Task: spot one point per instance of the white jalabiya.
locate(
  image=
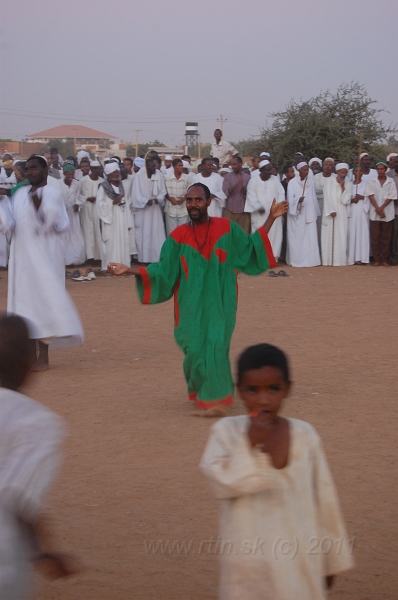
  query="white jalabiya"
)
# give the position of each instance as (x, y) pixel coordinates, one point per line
(260, 195)
(4, 241)
(128, 190)
(75, 253)
(319, 181)
(29, 457)
(116, 221)
(36, 273)
(214, 183)
(302, 235)
(334, 235)
(89, 216)
(281, 530)
(7, 181)
(358, 227)
(148, 220)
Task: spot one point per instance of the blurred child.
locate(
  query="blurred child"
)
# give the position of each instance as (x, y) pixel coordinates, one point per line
(30, 435)
(282, 536)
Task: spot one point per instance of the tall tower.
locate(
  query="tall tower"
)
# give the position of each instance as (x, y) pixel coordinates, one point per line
(191, 134)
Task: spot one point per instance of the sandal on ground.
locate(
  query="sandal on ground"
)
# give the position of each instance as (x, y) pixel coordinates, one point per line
(272, 274)
(282, 273)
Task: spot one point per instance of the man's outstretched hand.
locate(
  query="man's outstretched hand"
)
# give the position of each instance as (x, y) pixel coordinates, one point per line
(119, 269)
(277, 210)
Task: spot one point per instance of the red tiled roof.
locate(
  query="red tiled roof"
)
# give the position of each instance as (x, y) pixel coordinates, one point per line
(72, 131)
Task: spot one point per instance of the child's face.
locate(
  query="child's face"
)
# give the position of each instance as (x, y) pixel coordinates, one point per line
(263, 390)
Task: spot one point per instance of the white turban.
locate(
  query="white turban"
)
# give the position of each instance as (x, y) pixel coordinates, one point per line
(168, 157)
(95, 163)
(82, 154)
(265, 154)
(342, 166)
(318, 160)
(392, 155)
(111, 167)
(301, 164)
(301, 154)
(186, 164)
(225, 170)
(139, 162)
(363, 154)
(329, 159)
(263, 163)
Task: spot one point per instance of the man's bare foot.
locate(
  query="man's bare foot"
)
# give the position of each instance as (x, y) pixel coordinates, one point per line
(385, 264)
(217, 411)
(376, 264)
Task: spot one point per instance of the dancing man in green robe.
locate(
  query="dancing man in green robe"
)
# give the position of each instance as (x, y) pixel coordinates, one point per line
(198, 265)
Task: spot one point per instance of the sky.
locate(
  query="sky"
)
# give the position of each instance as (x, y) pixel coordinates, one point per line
(125, 65)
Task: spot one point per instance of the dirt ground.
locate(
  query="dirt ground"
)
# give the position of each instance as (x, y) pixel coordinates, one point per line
(130, 473)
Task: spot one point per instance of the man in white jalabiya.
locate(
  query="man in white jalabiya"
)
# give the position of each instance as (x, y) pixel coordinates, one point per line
(302, 237)
(88, 190)
(38, 221)
(75, 253)
(367, 172)
(168, 165)
(115, 216)
(315, 165)
(337, 199)
(358, 221)
(261, 191)
(149, 194)
(319, 182)
(214, 182)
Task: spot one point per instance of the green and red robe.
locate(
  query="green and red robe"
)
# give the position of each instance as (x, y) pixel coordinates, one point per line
(203, 281)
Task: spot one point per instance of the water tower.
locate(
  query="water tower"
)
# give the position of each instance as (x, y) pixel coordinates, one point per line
(191, 134)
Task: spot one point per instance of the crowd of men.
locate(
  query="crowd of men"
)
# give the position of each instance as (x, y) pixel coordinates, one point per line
(123, 210)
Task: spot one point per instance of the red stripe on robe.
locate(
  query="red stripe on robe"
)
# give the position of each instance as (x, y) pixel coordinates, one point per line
(146, 282)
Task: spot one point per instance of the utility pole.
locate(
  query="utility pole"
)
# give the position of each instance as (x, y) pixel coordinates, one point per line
(136, 141)
(222, 121)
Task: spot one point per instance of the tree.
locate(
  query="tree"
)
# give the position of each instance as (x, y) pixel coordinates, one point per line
(336, 125)
(142, 148)
(64, 148)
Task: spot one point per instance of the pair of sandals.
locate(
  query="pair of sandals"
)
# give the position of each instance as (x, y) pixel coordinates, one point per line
(280, 273)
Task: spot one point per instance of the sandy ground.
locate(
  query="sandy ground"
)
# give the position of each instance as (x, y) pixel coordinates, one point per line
(130, 472)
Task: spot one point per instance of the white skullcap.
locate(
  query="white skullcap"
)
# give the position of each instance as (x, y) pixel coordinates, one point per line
(329, 159)
(265, 154)
(301, 164)
(225, 170)
(95, 163)
(106, 160)
(111, 167)
(342, 166)
(301, 154)
(363, 154)
(263, 163)
(186, 164)
(168, 157)
(139, 162)
(318, 160)
(392, 155)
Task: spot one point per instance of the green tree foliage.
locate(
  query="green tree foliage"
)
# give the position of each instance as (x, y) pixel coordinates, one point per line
(64, 148)
(336, 125)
